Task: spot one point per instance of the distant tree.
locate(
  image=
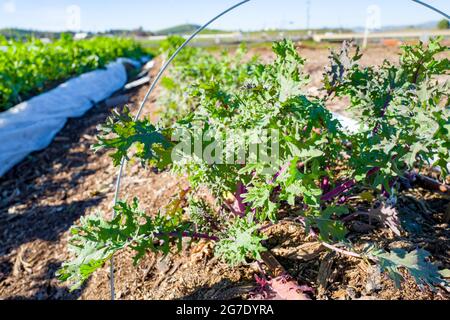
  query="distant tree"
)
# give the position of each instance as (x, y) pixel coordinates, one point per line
(140, 32)
(443, 24)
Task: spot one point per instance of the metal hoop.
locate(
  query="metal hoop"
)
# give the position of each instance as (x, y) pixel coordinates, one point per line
(153, 86)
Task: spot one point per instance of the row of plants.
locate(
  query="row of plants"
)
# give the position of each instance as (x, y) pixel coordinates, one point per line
(30, 67)
(310, 165)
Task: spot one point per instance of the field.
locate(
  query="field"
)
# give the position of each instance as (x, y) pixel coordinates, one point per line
(48, 193)
(28, 68)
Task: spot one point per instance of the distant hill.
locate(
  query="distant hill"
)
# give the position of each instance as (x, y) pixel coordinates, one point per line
(139, 32)
(423, 26)
(20, 34)
(184, 29)
(187, 29)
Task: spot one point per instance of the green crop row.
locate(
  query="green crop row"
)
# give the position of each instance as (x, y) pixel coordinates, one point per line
(32, 67)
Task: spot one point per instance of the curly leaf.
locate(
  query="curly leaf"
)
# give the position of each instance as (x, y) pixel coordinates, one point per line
(241, 241)
(121, 132)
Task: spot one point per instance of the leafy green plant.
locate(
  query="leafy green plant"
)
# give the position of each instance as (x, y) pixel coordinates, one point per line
(96, 240)
(310, 164)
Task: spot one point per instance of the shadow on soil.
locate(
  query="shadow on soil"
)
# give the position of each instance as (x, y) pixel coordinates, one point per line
(48, 175)
(41, 223)
(35, 205)
(48, 291)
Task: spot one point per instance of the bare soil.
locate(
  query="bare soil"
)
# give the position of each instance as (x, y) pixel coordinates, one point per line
(42, 197)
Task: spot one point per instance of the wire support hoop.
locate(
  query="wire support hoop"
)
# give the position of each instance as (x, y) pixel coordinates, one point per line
(155, 82)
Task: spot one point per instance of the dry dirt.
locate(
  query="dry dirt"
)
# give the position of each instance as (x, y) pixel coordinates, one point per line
(41, 198)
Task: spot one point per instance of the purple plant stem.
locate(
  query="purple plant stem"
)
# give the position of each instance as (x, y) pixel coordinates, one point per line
(241, 206)
(325, 184)
(385, 193)
(192, 235)
(279, 173)
(200, 236)
(346, 186)
(373, 171)
(342, 200)
(339, 190)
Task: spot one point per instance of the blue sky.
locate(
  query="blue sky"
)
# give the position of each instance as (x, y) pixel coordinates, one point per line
(98, 15)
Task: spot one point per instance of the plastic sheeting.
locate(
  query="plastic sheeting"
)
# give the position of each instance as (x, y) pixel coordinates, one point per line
(32, 125)
(348, 124)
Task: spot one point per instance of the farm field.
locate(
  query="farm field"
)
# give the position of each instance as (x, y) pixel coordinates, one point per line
(28, 68)
(45, 195)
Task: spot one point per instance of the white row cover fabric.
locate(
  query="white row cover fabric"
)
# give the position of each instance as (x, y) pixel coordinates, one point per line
(32, 125)
(348, 124)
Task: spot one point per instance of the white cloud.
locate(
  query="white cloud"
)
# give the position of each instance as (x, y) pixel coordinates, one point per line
(9, 6)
